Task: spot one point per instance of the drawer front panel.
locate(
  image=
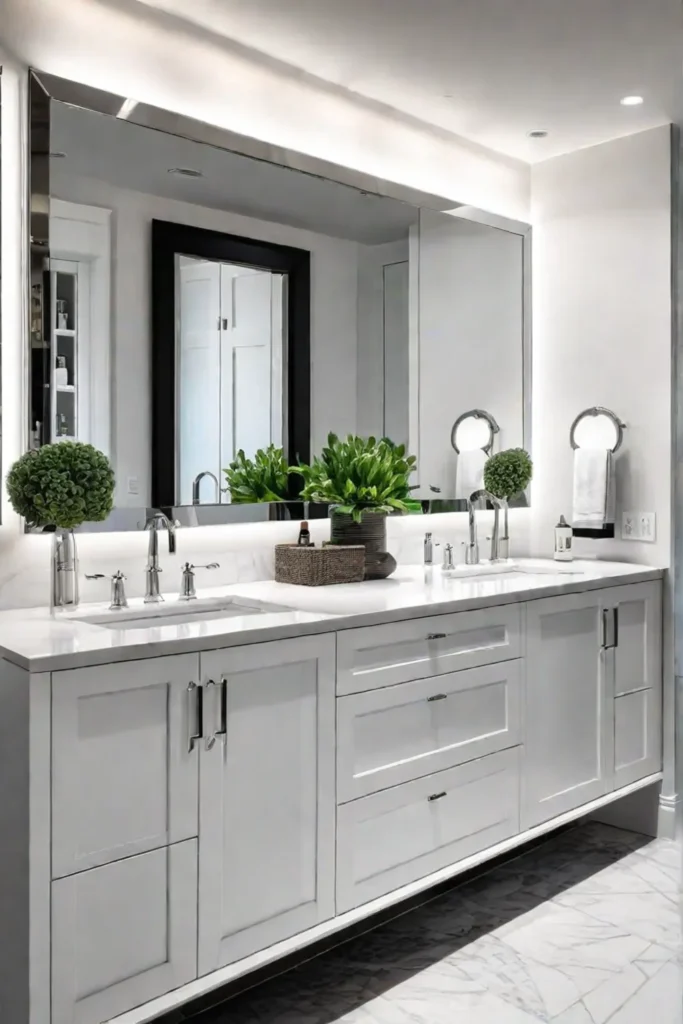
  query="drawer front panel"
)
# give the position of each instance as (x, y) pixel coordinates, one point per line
(123, 934)
(392, 735)
(123, 777)
(392, 838)
(417, 649)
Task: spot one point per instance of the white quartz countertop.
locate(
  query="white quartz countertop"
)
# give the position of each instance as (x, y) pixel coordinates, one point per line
(40, 642)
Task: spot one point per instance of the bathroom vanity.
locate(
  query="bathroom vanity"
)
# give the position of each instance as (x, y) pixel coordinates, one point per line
(194, 800)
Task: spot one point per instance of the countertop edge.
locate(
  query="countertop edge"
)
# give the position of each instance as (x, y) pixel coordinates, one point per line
(328, 624)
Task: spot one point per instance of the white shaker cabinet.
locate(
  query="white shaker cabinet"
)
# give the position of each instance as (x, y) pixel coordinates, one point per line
(266, 796)
(569, 742)
(635, 634)
(124, 818)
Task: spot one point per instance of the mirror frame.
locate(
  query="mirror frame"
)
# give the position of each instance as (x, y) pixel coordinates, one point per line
(170, 239)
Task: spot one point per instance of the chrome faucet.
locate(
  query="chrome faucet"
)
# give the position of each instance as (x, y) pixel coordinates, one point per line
(472, 552)
(196, 484)
(155, 522)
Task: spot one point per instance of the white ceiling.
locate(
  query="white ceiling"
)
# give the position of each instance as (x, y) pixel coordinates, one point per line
(488, 70)
(130, 157)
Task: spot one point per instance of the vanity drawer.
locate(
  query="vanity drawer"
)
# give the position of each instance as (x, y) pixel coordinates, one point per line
(392, 735)
(400, 651)
(392, 838)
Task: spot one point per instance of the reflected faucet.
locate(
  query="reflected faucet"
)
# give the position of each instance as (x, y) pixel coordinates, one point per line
(155, 522)
(196, 484)
(472, 552)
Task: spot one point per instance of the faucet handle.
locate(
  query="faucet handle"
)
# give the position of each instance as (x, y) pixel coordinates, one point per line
(448, 557)
(118, 592)
(187, 588)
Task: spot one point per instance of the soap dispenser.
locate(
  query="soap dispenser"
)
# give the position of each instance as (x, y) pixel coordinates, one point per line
(563, 541)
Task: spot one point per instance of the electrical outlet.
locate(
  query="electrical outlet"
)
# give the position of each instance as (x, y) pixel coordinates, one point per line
(133, 485)
(648, 527)
(629, 526)
(640, 526)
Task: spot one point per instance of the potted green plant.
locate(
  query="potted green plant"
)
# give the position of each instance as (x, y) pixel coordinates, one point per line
(60, 486)
(506, 475)
(364, 480)
(263, 478)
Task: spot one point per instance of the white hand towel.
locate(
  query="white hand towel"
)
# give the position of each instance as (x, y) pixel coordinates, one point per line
(594, 504)
(469, 472)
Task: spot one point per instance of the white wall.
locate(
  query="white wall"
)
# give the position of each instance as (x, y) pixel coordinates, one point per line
(602, 327)
(149, 56)
(334, 265)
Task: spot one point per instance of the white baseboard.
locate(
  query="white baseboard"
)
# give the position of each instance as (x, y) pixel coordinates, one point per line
(667, 825)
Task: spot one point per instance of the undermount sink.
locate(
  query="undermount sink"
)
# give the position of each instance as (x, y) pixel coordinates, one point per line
(488, 569)
(180, 612)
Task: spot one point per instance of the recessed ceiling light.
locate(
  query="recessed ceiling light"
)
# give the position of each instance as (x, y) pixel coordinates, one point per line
(631, 101)
(537, 133)
(185, 172)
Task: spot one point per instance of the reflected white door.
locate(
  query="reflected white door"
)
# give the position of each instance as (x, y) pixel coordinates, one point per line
(231, 323)
(199, 378)
(251, 310)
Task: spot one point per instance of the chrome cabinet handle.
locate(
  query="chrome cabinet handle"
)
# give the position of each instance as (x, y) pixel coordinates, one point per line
(194, 715)
(610, 628)
(436, 636)
(436, 796)
(219, 689)
(437, 696)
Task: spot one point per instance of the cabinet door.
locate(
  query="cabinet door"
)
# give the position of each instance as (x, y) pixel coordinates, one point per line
(123, 934)
(638, 637)
(123, 777)
(266, 797)
(569, 707)
(637, 682)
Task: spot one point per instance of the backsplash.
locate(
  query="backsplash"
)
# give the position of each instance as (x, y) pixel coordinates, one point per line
(244, 552)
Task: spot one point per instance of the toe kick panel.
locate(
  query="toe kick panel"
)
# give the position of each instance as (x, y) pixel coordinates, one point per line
(394, 837)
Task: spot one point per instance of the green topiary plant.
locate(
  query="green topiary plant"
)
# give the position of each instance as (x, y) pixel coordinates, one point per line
(263, 478)
(508, 473)
(360, 475)
(62, 485)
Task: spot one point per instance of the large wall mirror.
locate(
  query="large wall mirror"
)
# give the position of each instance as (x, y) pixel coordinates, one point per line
(196, 293)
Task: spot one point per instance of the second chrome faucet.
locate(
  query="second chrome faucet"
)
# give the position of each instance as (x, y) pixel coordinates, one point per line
(472, 549)
(155, 522)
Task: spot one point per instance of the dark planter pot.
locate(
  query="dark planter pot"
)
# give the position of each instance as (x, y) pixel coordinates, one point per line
(371, 532)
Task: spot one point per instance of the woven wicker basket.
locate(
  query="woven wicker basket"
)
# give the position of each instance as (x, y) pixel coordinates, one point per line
(319, 567)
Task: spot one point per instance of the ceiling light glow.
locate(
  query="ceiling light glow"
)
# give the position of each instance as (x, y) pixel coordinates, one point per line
(631, 101)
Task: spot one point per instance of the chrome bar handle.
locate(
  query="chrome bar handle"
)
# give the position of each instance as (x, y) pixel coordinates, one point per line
(610, 629)
(194, 715)
(219, 692)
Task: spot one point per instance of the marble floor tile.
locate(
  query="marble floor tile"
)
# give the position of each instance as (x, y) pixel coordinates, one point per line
(583, 929)
(658, 1001)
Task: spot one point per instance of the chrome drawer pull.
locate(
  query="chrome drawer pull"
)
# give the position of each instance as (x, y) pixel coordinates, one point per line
(436, 636)
(436, 796)
(438, 696)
